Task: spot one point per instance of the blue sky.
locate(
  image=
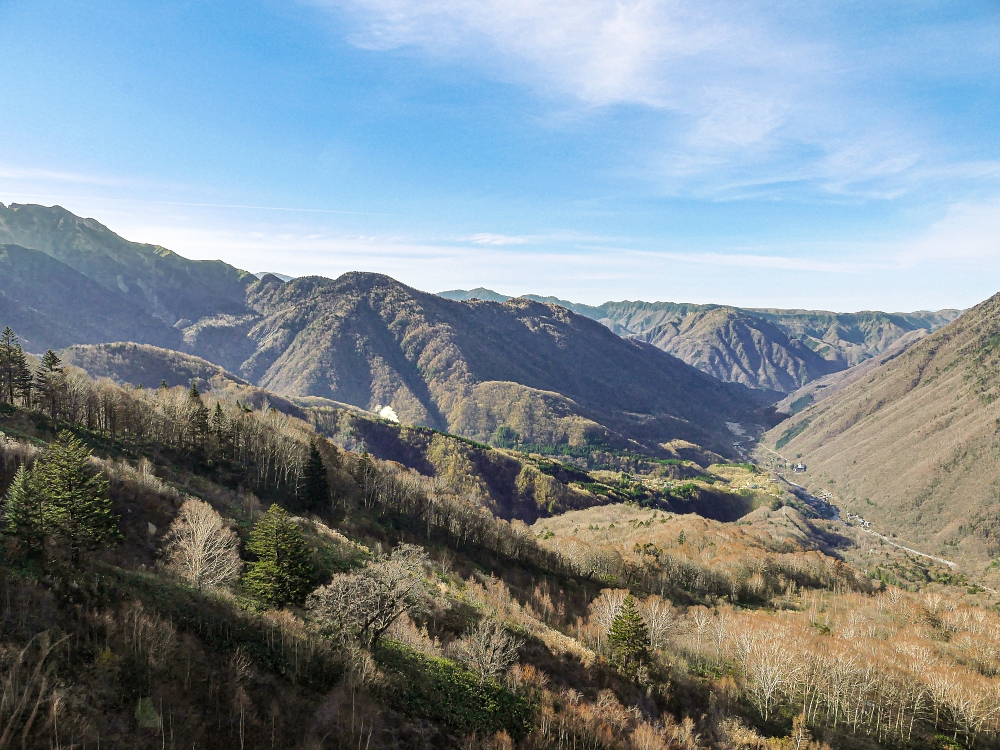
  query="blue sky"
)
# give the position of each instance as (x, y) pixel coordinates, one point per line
(838, 155)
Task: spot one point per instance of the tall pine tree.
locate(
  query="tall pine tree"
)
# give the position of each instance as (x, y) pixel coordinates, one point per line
(628, 636)
(199, 419)
(315, 484)
(24, 380)
(8, 345)
(282, 573)
(76, 509)
(51, 383)
(24, 514)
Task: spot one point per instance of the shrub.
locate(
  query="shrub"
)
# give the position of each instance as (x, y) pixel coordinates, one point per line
(440, 690)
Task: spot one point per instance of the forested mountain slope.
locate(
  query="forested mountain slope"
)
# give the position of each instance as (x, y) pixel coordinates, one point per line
(912, 446)
(816, 390)
(159, 281)
(510, 483)
(764, 348)
(551, 376)
(53, 305)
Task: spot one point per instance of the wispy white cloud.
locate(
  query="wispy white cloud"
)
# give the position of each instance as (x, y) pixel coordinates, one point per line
(968, 231)
(485, 238)
(753, 96)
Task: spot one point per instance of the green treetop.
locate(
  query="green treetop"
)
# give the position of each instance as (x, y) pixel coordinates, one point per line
(628, 635)
(76, 509)
(282, 573)
(315, 485)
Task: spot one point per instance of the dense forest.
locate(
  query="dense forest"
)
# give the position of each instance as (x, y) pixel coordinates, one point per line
(190, 569)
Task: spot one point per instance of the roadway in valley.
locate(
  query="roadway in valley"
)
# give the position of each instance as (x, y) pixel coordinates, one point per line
(829, 510)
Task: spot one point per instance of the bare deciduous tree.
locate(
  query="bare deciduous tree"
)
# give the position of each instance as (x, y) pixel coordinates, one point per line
(201, 548)
(488, 649)
(368, 602)
(604, 608)
(27, 685)
(661, 621)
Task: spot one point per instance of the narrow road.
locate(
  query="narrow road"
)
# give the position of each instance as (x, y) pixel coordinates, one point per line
(837, 517)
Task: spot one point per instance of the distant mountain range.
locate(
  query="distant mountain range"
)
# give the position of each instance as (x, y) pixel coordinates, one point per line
(537, 374)
(780, 350)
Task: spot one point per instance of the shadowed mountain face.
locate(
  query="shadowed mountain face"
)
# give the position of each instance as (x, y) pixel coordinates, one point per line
(780, 350)
(150, 277)
(473, 367)
(50, 305)
(912, 445)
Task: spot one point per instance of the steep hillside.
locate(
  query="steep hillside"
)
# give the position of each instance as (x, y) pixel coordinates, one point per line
(780, 350)
(510, 484)
(153, 278)
(912, 446)
(143, 365)
(816, 390)
(733, 346)
(51, 305)
(254, 586)
(547, 375)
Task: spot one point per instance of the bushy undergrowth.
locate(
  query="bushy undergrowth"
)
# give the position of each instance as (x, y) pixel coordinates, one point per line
(440, 690)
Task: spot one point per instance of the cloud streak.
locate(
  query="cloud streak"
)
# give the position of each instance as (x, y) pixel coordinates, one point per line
(752, 96)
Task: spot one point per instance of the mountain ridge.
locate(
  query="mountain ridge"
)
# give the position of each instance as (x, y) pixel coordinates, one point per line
(165, 284)
(759, 347)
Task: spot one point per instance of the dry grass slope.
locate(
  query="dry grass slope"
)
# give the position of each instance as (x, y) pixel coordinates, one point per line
(913, 445)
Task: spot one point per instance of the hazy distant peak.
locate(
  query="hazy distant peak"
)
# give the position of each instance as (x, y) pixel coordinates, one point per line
(464, 295)
(275, 274)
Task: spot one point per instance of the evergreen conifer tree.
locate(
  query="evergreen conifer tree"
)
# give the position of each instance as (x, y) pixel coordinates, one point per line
(8, 345)
(282, 573)
(51, 382)
(24, 513)
(316, 486)
(628, 635)
(24, 380)
(218, 429)
(199, 419)
(76, 509)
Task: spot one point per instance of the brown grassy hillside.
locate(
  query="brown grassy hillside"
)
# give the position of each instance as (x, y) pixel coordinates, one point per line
(913, 446)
